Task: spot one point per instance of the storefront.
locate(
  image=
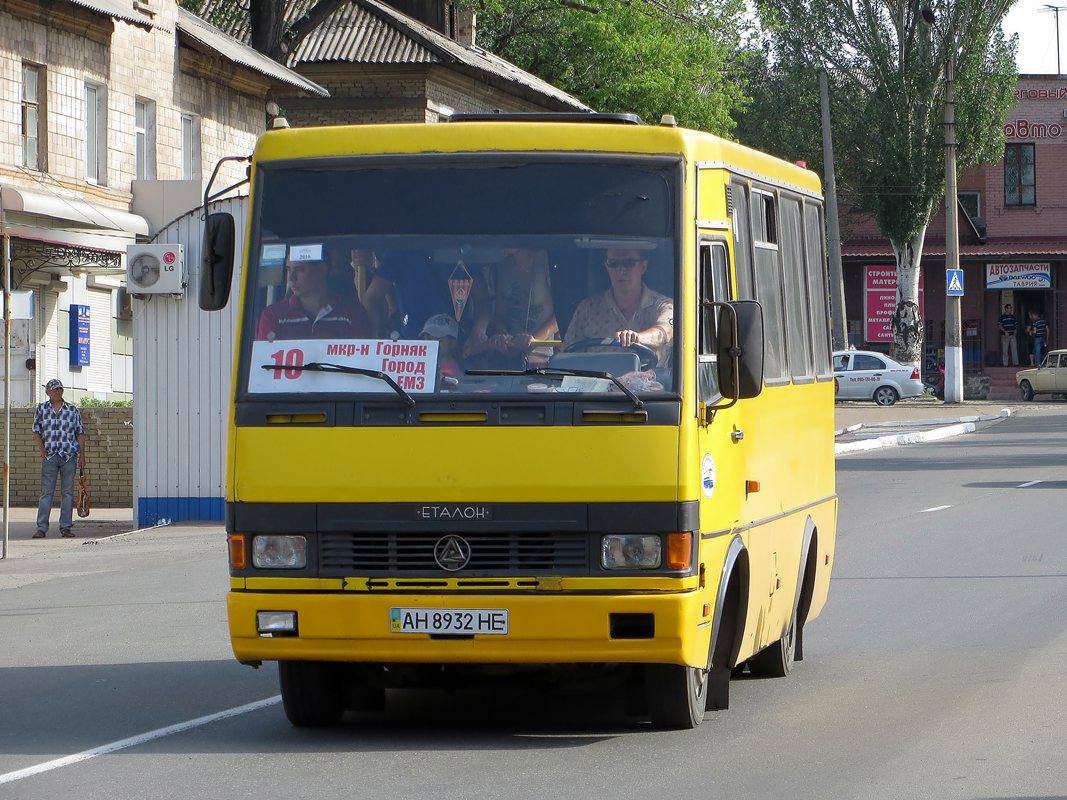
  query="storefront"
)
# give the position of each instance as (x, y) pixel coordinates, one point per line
(71, 255)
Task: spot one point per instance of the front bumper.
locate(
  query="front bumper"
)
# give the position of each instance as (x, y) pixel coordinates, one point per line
(544, 629)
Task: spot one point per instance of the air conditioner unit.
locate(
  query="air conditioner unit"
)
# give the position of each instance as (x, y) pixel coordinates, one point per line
(155, 269)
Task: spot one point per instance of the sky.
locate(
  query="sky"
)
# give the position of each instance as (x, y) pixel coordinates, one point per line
(1036, 26)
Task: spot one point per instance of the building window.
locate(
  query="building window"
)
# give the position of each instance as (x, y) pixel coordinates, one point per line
(190, 147)
(95, 134)
(32, 116)
(1019, 183)
(971, 202)
(145, 135)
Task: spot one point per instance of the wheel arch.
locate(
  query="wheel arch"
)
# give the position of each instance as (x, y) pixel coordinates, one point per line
(731, 605)
(806, 581)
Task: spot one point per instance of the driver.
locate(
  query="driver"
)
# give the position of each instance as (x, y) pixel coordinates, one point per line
(628, 312)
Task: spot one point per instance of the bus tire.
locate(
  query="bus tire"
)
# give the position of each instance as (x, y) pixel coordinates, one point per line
(676, 695)
(776, 661)
(311, 693)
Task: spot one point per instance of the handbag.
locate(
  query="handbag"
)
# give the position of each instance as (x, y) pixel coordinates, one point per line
(82, 495)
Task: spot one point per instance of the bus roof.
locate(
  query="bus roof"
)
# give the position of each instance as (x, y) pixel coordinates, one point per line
(532, 135)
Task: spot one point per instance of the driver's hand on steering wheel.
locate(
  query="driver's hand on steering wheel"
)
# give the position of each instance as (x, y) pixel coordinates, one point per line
(627, 338)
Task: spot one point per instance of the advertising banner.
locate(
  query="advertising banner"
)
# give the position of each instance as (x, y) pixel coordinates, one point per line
(1018, 276)
(880, 301)
(79, 335)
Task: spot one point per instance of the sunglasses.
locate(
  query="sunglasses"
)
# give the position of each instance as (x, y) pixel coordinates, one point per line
(623, 263)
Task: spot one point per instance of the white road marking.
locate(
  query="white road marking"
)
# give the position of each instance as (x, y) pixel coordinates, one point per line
(133, 741)
(1026, 485)
(935, 508)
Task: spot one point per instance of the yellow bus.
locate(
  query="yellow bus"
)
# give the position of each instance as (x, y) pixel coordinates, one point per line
(526, 390)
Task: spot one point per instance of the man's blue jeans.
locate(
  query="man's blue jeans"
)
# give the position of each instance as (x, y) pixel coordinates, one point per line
(1039, 346)
(51, 468)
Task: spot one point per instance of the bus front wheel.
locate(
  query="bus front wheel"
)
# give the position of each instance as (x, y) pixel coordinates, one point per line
(676, 695)
(311, 693)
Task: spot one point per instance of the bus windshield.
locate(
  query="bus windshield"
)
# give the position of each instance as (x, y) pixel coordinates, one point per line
(417, 275)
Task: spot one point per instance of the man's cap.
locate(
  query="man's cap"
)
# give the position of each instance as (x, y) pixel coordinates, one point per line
(55, 383)
(440, 325)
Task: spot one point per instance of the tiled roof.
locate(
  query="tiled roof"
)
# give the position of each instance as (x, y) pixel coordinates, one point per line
(117, 9)
(372, 32)
(356, 35)
(215, 40)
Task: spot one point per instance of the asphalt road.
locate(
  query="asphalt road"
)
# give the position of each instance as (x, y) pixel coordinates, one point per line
(936, 670)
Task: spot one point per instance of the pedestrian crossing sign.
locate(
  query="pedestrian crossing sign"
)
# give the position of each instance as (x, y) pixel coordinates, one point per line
(954, 282)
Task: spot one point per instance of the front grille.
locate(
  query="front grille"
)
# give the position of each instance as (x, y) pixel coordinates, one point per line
(498, 553)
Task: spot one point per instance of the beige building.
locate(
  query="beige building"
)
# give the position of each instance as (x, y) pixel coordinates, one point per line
(113, 114)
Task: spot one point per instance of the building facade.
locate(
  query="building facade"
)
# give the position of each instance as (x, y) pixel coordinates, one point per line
(1013, 243)
(113, 114)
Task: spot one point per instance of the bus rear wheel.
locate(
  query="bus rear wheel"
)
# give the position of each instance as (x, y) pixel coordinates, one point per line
(676, 695)
(312, 693)
(776, 661)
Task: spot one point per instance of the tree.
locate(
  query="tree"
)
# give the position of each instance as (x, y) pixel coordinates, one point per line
(651, 57)
(887, 67)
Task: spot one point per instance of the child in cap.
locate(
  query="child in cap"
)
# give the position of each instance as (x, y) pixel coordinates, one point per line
(445, 330)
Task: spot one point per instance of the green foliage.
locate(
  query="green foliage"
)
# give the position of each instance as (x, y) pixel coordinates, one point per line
(651, 57)
(92, 402)
(887, 69)
(782, 115)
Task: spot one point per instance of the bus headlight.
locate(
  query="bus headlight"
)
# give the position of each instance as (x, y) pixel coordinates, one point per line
(630, 551)
(280, 552)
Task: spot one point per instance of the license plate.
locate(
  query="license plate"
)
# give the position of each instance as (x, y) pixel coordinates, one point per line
(456, 621)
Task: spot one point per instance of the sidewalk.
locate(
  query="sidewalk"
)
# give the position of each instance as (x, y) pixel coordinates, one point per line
(22, 523)
(867, 426)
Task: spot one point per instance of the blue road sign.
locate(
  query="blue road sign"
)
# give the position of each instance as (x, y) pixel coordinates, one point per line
(954, 282)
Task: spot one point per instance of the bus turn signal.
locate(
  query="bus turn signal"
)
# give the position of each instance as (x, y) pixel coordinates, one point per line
(679, 550)
(237, 551)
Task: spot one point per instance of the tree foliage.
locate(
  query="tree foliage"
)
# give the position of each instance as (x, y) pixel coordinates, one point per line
(887, 61)
(651, 57)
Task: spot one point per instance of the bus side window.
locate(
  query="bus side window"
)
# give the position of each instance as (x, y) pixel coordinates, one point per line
(714, 280)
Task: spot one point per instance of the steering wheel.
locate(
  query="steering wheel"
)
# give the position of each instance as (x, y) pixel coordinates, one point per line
(646, 355)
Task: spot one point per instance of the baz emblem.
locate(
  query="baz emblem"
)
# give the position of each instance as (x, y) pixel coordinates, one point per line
(452, 553)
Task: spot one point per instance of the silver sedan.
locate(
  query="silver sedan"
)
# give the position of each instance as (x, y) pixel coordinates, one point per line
(865, 375)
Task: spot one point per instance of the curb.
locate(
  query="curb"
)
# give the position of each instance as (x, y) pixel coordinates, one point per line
(949, 427)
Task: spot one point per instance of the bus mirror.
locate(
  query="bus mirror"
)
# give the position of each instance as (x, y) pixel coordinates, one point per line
(216, 261)
(740, 346)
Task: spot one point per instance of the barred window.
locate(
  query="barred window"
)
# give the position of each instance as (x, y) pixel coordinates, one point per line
(1019, 180)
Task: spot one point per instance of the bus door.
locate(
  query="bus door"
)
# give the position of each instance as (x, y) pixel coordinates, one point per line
(721, 478)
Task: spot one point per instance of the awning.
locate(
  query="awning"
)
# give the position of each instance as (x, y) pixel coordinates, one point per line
(72, 212)
(992, 250)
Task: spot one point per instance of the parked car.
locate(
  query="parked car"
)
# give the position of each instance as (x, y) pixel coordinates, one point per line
(863, 375)
(1049, 378)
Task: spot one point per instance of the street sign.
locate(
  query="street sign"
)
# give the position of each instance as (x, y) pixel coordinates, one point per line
(954, 282)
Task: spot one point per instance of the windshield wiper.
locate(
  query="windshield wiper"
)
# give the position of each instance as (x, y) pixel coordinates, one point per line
(321, 366)
(578, 373)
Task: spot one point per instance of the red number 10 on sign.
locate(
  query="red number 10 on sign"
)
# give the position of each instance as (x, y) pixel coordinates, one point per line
(288, 363)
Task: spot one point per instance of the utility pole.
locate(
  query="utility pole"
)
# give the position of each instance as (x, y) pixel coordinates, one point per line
(838, 335)
(1056, 10)
(953, 333)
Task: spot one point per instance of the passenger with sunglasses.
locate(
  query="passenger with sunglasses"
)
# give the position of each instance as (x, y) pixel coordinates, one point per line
(628, 311)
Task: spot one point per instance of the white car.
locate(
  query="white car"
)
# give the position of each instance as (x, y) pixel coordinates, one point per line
(863, 375)
(1049, 378)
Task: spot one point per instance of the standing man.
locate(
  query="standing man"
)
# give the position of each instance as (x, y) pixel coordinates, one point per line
(58, 431)
(1006, 324)
(1038, 331)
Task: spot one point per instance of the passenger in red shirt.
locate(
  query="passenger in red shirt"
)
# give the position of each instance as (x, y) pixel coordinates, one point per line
(307, 313)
